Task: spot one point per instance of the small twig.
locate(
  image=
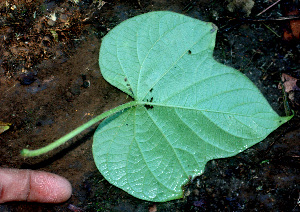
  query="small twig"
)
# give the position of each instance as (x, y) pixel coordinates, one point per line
(188, 7)
(268, 8)
(298, 203)
(277, 19)
(139, 2)
(285, 101)
(292, 17)
(271, 30)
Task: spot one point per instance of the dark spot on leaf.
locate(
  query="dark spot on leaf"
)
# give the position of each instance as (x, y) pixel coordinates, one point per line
(131, 91)
(125, 79)
(128, 84)
(151, 100)
(189, 52)
(148, 107)
(151, 89)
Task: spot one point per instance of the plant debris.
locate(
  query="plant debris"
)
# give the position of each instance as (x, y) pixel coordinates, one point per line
(290, 86)
(4, 126)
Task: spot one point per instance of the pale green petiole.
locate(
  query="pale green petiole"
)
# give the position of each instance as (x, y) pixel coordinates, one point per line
(62, 140)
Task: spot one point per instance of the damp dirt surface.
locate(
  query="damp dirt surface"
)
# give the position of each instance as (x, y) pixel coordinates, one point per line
(50, 83)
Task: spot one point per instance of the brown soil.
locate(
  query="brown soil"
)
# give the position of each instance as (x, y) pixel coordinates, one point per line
(46, 66)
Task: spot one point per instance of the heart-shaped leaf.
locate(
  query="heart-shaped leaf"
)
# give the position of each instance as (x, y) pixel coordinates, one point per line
(189, 108)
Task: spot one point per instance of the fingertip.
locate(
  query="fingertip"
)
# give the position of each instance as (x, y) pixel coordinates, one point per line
(48, 188)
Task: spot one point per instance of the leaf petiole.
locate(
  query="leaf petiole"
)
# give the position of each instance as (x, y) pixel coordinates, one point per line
(62, 140)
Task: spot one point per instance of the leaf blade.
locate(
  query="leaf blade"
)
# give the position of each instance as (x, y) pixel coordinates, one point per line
(198, 109)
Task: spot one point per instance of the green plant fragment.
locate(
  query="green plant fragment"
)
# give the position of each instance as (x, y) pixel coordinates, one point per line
(189, 108)
(4, 126)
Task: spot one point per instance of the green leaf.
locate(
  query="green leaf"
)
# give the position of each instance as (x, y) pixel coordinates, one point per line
(189, 108)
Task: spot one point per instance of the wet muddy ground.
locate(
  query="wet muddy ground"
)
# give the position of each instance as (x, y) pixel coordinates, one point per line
(50, 83)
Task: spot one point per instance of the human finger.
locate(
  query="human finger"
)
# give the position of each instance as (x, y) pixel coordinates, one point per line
(33, 186)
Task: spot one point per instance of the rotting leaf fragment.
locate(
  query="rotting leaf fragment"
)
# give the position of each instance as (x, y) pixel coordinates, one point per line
(4, 126)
